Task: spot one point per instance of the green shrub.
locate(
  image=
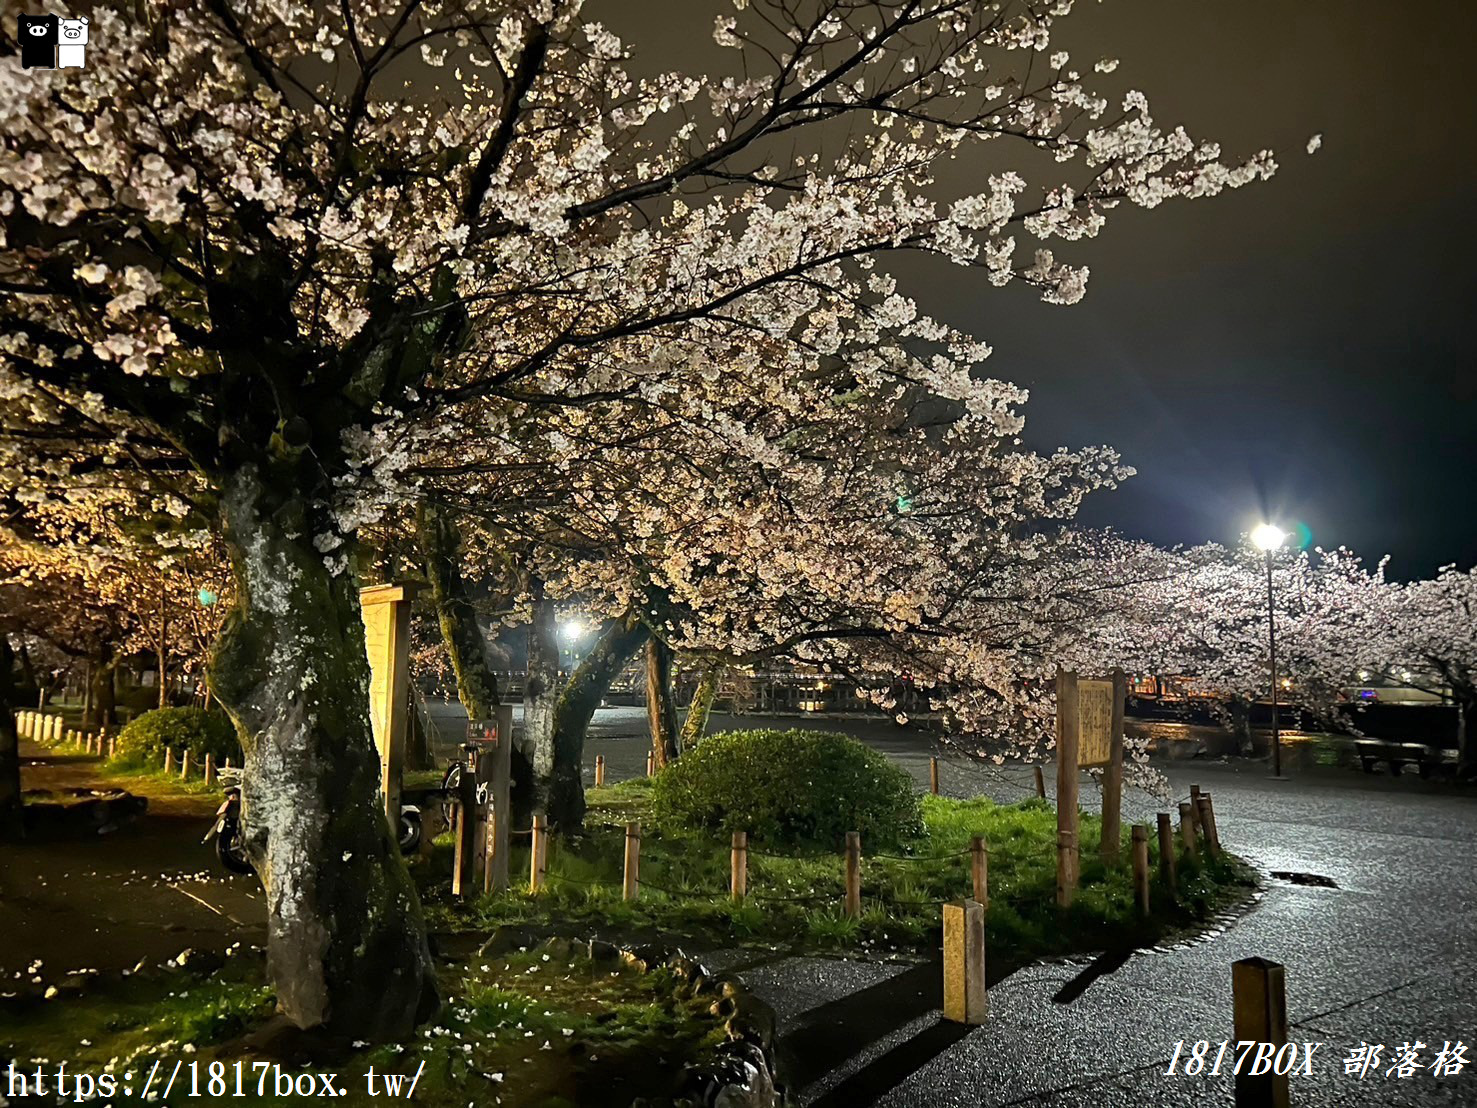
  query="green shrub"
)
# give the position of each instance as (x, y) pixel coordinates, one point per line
(790, 787)
(143, 740)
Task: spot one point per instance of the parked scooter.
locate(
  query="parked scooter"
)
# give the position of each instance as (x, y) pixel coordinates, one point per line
(230, 839)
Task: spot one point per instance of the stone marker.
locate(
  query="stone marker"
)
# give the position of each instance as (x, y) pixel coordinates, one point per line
(965, 998)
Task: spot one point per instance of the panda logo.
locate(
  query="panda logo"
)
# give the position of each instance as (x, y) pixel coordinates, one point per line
(38, 35)
(72, 48)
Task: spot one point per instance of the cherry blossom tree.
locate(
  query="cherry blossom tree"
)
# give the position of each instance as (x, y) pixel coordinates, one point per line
(288, 274)
(1434, 647)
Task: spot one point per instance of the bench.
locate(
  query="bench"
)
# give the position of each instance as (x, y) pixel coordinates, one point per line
(1397, 755)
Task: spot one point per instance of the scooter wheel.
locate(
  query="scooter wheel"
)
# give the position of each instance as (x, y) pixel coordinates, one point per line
(410, 830)
(228, 850)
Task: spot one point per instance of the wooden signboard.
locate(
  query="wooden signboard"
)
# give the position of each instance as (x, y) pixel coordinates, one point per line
(386, 613)
(1089, 733)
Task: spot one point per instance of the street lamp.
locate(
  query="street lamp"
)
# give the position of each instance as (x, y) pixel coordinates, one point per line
(1267, 539)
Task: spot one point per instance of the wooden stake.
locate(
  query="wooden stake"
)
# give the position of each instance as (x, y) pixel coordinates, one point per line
(979, 870)
(1166, 851)
(631, 880)
(1040, 783)
(209, 769)
(538, 860)
(1113, 776)
(933, 776)
(168, 759)
(650, 763)
(965, 998)
(184, 764)
(599, 770)
(1067, 731)
(113, 747)
(1187, 831)
(853, 874)
(1259, 992)
(1202, 806)
(1141, 866)
(1207, 819)
(738, 880)
(466, 825)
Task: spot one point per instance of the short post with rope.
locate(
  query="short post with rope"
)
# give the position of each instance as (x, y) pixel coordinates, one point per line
(738, 880)
(599, 770)
(169, 759)
(650, 763)
(1040, 783)
(1207, 821)
(1166, 851)
(979, 870)
(853, 904)
(539, 855)
(1140, 843)
(933, 775)
(631, 878)
(1187, 832)
(209, 769)
(184, 764)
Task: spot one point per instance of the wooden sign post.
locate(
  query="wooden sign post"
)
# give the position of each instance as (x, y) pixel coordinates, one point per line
(386, 612)
(500, 830)
(1089, 733)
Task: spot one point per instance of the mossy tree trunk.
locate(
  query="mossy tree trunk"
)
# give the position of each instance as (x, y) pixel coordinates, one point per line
(10, 762)
(661, 708)
(476, 684)
(346, 945)
(695, 725)
(102, 709)
(614, 648)
(541, 693)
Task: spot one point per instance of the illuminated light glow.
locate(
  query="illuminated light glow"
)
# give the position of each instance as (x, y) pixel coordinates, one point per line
(1268, 538)
(206, 598)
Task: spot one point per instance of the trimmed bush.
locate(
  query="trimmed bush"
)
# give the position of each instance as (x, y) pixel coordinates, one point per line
(143, 740)
(807, 787)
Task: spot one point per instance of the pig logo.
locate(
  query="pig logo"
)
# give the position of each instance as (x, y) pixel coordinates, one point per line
(38, 35)
(71, 47)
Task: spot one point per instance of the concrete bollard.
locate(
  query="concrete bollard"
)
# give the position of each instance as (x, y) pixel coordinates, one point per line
(1187, 831)
(933, 776)
(738, 870)
(599, 770)
(1141, 866)
(209, 769)
(1259, 995)
(539, 855)
(1207, 821)
(169, 759)
(1040, 783)
(853, 904)
(1166, 851)
(631, 878)
(965, 998)
(22, 724)
(56, 728)
(979, 870)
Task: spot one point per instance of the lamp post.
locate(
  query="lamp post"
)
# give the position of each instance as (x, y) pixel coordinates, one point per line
(1267, 539)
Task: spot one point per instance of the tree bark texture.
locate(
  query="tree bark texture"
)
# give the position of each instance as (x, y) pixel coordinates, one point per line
(616, 646)
(346, 945)
(661, 708)
(541, 694)
(103, 710)
(695, 725)
(476, 684)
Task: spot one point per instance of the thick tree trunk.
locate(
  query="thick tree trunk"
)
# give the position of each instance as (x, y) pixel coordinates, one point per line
(541, 694)
(617, 645)
(103, 709)
(695, 726)
(476, 684)
(661, 709)
(10, 762)
(346, 942)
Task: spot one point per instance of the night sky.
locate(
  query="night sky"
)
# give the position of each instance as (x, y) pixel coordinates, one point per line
(1299, 349)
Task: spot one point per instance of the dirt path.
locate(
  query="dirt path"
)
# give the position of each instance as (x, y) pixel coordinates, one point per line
(145, 892)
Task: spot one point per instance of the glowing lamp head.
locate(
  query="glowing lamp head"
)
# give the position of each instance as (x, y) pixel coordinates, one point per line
(1268, 538)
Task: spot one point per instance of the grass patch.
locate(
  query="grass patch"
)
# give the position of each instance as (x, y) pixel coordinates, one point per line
(535, 1027)
(795, 894)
